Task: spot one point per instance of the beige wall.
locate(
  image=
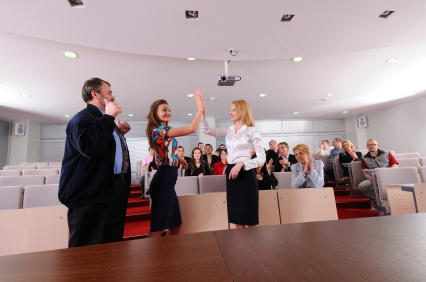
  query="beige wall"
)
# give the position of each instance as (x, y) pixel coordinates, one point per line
(24, 148)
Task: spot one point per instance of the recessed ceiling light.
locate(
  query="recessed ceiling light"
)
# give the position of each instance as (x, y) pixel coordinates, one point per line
(330, 94)
(67, 116)
(297, 59)
(212, 98)
(70, 54)
(345, 112)
(190, 95)
(393, 60)
(130, 115)
(262, 95)
(189, 114)
(26, 96)
(191, 59)
(295, 113)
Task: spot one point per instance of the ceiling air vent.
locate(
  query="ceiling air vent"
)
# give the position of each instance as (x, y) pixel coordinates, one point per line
(191, 15)
(76, 3)
(287, 18)
(386, 14)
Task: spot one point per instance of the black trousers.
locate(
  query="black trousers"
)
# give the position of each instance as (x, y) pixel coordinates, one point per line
(330, 173)
(99, 223)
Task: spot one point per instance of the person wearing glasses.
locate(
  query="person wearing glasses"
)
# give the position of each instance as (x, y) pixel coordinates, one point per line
(373, 159)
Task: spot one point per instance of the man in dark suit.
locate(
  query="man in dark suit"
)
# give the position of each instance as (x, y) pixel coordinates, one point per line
(208, 157)
(181, 154)
(96, 173)
(284, 160)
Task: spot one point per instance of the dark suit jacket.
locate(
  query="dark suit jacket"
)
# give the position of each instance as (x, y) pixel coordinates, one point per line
(278, 167)
(215, 159)
(88, 165)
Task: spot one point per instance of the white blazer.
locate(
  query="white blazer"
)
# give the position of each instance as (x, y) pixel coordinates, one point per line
(315, 178)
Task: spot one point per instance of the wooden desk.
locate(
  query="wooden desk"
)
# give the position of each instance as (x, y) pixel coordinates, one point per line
(191, 257)
(366, 249)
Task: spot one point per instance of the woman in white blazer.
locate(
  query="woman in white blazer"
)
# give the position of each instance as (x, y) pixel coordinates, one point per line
(307, 173)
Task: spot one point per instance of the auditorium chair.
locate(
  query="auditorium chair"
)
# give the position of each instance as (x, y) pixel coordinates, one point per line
(55, 163)
(423, 161)
(181, 172)
(10, 173)
(187, 185)
(326, 161)
(422, 172)
(284, 180)
(37, 196)
(52, 178)
(393, 176)
(49, 167)
(400, 202)
(22, 180)
(357, 178)
(10, 197)
(392, 152)
(212, 183)
(19, 167)
(36, 164)
(363, 152)
(339, 170)
(406, 156)
(39, 171)
(412, 162)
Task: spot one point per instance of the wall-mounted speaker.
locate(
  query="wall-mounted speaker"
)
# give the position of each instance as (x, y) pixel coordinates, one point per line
(19, 129)
(362, 121)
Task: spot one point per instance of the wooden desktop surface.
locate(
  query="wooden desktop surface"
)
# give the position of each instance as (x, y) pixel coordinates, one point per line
(367, 249)
(191, 257)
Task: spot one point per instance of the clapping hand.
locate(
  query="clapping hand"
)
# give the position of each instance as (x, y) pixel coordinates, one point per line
(183, 163)
(310, 163)
(269, 166)
(123, 126)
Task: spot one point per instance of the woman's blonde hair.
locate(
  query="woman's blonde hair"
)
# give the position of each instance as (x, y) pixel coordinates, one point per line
(350, 143)
(302, 147)
(244, 112)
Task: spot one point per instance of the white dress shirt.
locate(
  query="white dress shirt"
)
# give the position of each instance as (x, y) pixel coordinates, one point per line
(239, 144)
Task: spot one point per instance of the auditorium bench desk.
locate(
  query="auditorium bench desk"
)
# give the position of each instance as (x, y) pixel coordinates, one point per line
(380, 249)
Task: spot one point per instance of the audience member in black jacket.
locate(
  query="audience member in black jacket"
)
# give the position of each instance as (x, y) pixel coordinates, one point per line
(181, 154)
(209, 157)
(272, 153)
(265, 176)
(348, 155)
(96, 173)
(196, 166)
(284, 160)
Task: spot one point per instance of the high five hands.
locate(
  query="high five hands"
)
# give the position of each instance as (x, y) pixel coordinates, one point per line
(200, 101)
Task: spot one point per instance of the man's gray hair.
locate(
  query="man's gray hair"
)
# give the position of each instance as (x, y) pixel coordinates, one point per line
(284, 143)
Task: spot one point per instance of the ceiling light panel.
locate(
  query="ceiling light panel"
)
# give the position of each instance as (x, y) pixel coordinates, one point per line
(26, 96)
(390, 61)
(297, 59)
(345, 112)
(262, 95)
(191, 15)
(295, 113)
(191, 59)
(329, 94)
(190, 95)
(70, 54)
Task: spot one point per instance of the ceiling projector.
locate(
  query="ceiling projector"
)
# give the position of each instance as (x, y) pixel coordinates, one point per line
(227, 80)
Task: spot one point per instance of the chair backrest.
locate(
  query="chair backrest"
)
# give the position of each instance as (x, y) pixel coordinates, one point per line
(10, 173)
(187, 185)
(200, 213)
(306, 205)
(22, 180)
(393, 176)
(422, 172)
(34, 230)
(363, 152)
(10, 197)
(357, 174)
(49, 166)
(423, 161)
(406, 156)
(413, 162)
(212, 183)
(269, 212)
(52, 178)
(37, 196)
(55, 163)
(19, 167)
(36, 164)
(326, 161)
(181, 172)
(211, 170)
(400, 202)
(339, 168)
(39, 171)
(284, 180)
(420, 190)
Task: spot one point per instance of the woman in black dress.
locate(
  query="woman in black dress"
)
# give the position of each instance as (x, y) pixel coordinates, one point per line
(197, 166)
(265, 176)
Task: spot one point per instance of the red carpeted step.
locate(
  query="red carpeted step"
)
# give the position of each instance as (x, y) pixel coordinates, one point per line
(138, 210)
(343, 199)
(355, 213)
(135, 187)
(135, 194)
(136, 228)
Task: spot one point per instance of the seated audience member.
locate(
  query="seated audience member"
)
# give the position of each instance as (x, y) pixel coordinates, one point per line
(324, 149)
(181, 155)
(197, 166)
(208, 157)
(219, 167)
(265, 177)
(307, 173)
(201, 146)
(152, 166)
(373, 159)
(272, 153)
(284, 160)
(348, 155)
(337, 144)
(221, 146)
(148, 159)
(217, 152)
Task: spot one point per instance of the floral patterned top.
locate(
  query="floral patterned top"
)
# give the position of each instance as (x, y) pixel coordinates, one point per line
(165, 148)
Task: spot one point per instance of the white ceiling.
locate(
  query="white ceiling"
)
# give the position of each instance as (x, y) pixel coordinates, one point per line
(140, 48)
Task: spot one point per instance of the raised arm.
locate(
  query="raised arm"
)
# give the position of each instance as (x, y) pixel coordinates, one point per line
(192, 128)
(215, 132)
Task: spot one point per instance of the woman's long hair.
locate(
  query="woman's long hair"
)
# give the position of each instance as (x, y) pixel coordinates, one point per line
(192, 161)
(350, 144)
(244, 112)
(153, 120)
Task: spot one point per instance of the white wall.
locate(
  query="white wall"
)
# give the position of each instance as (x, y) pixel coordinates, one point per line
(24, 148)
(401, 128)
(206, 139)
(357, 135)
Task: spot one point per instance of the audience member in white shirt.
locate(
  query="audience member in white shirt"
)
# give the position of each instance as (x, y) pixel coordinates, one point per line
(324, 149)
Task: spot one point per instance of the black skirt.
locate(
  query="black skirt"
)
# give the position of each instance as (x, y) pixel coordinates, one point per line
(242, 197)
(165, 211)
